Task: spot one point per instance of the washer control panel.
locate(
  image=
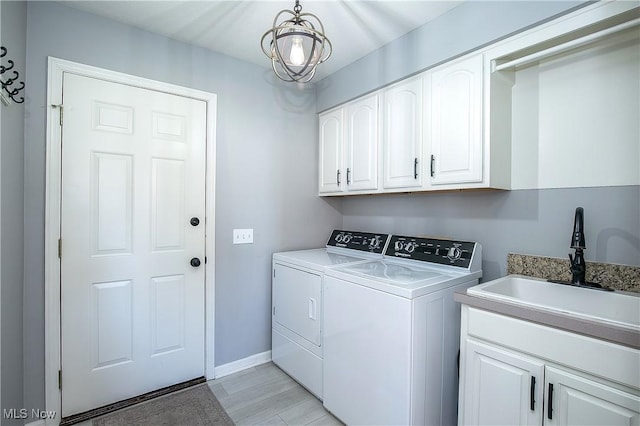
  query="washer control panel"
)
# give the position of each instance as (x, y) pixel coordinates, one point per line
(363, 241)
(434, 250)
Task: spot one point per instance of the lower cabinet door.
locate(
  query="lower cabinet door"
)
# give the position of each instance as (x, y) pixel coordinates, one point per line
(575, 400)
(500, 387)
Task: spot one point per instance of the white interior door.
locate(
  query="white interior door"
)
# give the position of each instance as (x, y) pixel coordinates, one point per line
(133, 176)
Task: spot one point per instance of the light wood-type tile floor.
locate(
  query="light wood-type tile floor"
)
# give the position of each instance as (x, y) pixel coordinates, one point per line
(265, 395)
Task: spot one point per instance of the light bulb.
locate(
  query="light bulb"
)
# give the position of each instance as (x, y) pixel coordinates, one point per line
(296, 56)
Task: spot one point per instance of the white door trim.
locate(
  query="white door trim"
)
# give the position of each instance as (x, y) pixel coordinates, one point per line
(56, 68)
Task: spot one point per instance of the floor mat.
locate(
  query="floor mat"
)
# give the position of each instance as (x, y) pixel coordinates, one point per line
(196, 406)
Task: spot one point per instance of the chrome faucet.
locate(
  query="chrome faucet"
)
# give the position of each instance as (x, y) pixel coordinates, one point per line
(578, 266)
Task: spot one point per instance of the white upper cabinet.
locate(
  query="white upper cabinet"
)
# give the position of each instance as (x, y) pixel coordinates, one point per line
(349, 147)
(455, 122)
(331, 150)
(402, 135)
(513, 115)
(362, 144)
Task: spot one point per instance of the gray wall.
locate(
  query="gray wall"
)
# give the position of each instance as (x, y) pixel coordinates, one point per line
(528, 221)
(464, 28)
(266, 168)
(14, 15)
(536, 222)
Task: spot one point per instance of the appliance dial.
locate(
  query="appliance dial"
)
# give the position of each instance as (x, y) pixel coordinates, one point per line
(398, 246)
(375, 242)
(454, 253)
(347, 238)
(410, 248)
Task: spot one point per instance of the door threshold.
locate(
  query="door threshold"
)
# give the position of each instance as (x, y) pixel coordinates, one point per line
(125, 403)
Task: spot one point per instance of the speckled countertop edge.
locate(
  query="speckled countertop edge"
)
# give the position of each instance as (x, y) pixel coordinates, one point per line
(608, 332)
(618, 277)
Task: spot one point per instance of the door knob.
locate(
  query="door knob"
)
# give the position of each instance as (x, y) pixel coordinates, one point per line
(194, 221)
(195, 262)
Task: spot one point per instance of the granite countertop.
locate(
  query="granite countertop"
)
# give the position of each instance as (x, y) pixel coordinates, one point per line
(618, 277)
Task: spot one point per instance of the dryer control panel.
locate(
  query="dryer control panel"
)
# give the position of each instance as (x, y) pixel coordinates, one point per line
(363, 241)
(433, 250)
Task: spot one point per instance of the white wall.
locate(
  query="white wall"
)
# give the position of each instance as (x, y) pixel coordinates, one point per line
(576, 118)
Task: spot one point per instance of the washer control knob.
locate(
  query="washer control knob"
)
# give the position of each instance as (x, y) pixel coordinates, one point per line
(398, 246)
(347, 238)
(410, 248)
(454, 253)
(375, 242)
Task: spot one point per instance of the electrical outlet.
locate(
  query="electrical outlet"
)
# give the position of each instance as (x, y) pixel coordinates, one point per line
(243, 236)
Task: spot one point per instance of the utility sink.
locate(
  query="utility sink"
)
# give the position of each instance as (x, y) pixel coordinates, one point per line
(612, 307)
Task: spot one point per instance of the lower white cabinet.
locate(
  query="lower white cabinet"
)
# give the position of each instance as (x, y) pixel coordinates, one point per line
(576, 400)
(505, 380)
(501, 387)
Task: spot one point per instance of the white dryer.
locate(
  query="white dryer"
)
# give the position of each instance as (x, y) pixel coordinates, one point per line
(297, 301)
(391, 333)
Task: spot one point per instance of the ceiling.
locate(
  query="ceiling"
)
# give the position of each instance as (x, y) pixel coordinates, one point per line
(354, 27)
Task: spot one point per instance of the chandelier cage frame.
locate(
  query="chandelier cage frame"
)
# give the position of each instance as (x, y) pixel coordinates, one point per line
(299, 25)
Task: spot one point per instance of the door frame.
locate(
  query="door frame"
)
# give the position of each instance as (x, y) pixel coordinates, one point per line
(52, 285)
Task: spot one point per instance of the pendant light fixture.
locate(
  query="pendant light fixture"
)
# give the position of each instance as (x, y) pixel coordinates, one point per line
(296, 45)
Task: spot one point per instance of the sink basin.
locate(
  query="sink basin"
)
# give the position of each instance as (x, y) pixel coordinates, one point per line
(613, 307)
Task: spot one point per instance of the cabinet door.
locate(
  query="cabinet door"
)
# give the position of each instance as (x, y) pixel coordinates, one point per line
(574, 400)
(362, 144)
(331, 139)
(402, 135)
(456, 122)
(500, 387)
(297, 298)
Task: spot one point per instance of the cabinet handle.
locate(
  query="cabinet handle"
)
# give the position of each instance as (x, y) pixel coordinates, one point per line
(348, 176)
(550, 402)
(433, 163)
(533, 393)
(338, 176)
(415, 168)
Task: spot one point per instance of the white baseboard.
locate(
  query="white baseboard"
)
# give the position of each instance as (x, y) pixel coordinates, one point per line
(241, 364)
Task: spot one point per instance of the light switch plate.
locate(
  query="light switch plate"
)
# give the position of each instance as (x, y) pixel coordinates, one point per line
(243, 236)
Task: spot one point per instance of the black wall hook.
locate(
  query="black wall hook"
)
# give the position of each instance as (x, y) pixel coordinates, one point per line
(14, 91)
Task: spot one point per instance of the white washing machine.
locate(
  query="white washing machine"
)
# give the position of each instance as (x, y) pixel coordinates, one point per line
(391, 333)
(297, 301)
